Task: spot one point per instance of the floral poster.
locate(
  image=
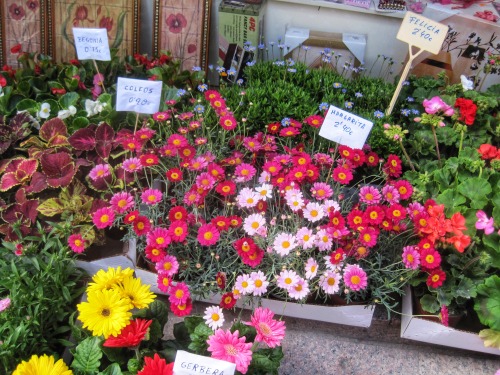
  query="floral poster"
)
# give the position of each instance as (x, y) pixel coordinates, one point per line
(182, 28)
(21, 29)
(119, 17)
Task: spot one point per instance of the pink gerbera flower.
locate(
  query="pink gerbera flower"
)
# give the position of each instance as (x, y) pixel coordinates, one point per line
(321, 191)
(121, 202)
(208, 234)
(158, 237)
(168, 265)
(411, 257)
(99, 171)
(369, 195)
(355, 277)
(151, 196)
(76, 243)
(132, 165)
(269, 330)
(230, 347)
(103, 217)
(179, 294)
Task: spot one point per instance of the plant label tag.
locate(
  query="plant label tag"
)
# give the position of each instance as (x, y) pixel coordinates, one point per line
(91, 44)
(422, 32)
(137, 95)
(193, 364)
(345, 128)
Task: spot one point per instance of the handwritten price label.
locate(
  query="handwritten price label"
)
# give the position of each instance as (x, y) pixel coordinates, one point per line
(137, 95)
(345, 128)
(91, 44)
(192, 364)
(422, 32)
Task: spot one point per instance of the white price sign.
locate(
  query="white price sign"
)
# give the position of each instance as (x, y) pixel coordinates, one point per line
(91, 44)
(422, 32)
(345, 128)
(192, 364)
(137, 95)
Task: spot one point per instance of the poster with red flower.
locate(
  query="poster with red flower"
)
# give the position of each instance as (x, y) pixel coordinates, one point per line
(21, 29)
(181, 27)
(119, 17)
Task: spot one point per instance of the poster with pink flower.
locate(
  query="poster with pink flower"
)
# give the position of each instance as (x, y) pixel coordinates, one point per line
(181, 27)
(119, 17)
(20, 30)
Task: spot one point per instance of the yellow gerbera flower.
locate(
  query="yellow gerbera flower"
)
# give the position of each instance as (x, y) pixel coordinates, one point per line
(105, 280)
(138, 294)
(43, 365)
(106, 312)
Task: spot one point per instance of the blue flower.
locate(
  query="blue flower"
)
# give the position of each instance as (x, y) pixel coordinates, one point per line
(220, 69)
(247, 43)
(203, 87)
(239, 81)
(358, 95)
(290, 62)
(196, 69)
(198, 108)
(181, 92)
(337, 85)
(251, 63)
(378, 114)
(348, 105)
(327, 50)
(324, 106)
(279, 63)
(292, 70)
(231, 72)
(406, 83)
(211, 67)
(415, 111)
(286, 121)
(405, 112)
(410, 99)
(271, 43)
(261, 46)
(306, 48)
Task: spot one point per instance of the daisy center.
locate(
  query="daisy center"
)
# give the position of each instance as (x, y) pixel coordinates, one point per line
(435, 278)
(104, 218)
(314, 213)
(286, 244)
(410, 258)
(288, 280)
(167, 266)
(160, 240)
(331, 281)
(429, 258)
(255, 225)
(122, 203)
(179, 293)
(369, 196)
(355, 279)
(208, 235)
(78, 243)
(258, 283)
(215, 317)
(178, 231)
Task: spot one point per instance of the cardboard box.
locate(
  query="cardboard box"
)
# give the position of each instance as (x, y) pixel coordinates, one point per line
(238, 23)
(355, 315)
(348, 50)
(419, 329)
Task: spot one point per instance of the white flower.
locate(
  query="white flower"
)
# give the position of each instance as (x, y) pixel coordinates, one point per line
(253, 223)
(288, 279)
(94, 108)
(314, 212)
(65, 113)
(467, 84)
(264, 191)
(329, 282)
(284, 243)
(44, 110)
(245, 284)
(311, 268)
(214, 317)
(260, 283)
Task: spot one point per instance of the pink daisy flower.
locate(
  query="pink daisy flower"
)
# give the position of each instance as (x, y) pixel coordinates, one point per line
(161, 116)
(164, 282)
(311, 268)
(76, 243)
(168, 265)
(305, 238)
(369, 195)
(313, 212)
(103, 217)
(230, 347)
(260, 283)
(208, 234)
(178, 230)
(99, 171)
(151, 196)
(205, 181)
(284, 243)
(368, 236)
(179, 294)
(192, 198)
(287, 279)
(323, 159)
(411, 257)
(330, 282)
(321, 191)
(300, 290)
(158, 237)
(404, 188)
(132, 165)
(154, 253)
(200, 141)
(269, 331)
(177, 141)
(121, 202)
(247, 198)
(355, 277)
(244, 172)
(323, 240)
(252, 144)
(253, 223)
(294, 200)
(245, 284)
(414, 209)
(390, 193)
(272, 167)
(214, 318)
(198, 163)
(228, 122)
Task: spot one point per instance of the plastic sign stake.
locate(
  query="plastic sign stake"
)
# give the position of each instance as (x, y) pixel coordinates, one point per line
(422, 33)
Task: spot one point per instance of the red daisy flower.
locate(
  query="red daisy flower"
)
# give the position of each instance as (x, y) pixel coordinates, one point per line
(235, 221)
(218, 103)
(393, 166)
(272, 167)
(174, 175)
(254, 259)
(337, 256)
(368, 236)
(154, 253)
(227, 301)
(187, 152)
(216, 171)
(131, 144)
(289, 132)
(421, 221)
(212, 95)
(436, 278)
(374, 214)
(148, 160)
(273, 128)
(430, 259)
(177, 141)
(315, 121)
(298, 173)
(405, 189)
(395, 212)
(336, 220)
(226, 188)
(355, 219)
(131, 217)
(159, 237)
(312, 173)
(220, 279)
(130, 336)
(358, 157)
(228, 122)
(244, 246)
(208, 235)
(178, 230)
(177, 213)
(221, 222)
(342, 175)
(182, 309)
(372, 159)
(425, 243)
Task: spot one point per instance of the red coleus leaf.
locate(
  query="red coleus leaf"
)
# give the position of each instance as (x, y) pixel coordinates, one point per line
(58, 141)
(25, 170)
(8, 181)
(38, 183)
(83, 139)
(105, 136)
(13, 164)
(100, 183)
(59, 169)
(53, 127)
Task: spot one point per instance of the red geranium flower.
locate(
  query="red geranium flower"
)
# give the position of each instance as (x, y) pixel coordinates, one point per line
(487, 151)
(467, 110)
(130, 336)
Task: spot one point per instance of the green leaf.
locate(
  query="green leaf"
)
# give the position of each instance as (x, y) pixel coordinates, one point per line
(70, 98)
(490, 337)
(159, 311)
(199, 338)
(266, 361)
(466, 288)
(477, 190)
(192, 322)
(87, 356)
(113, 369)
(487, 303)
(27, 105)
(51, 207)
(181, 332)
(451, 199)
(430, 303)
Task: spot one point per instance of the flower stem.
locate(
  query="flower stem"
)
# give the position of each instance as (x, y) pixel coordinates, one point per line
(406, 155)
(436, 142)
(461, 142)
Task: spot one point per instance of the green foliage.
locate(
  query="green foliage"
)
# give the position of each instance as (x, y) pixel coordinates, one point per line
(487, 305)
(490, 337)
(87, 356)
(266, 361)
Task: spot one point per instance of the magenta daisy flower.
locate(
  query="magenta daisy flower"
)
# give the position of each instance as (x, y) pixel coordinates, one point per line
(161, 116)
(374, 214)
(197, 164)
(178, 230)
(208, 234)
(342, 175)
(205, 181)
(103, 217)
(76, 243)
(411, 257)
(164, 282)
(99, 171)
(154, 253)
(168, 265)
(369, 195)
(391, 194)
(244, 172)
(252, 144)
(355, 277)
(230, 347)
(151, 196)
(177, 141)
(132, 165)
(179, 294)
(404, 188)
(414, 209)
(121, 202)
(321, 191)
(158, 237)
(228, 122)
(269, 330)
(368, 236)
